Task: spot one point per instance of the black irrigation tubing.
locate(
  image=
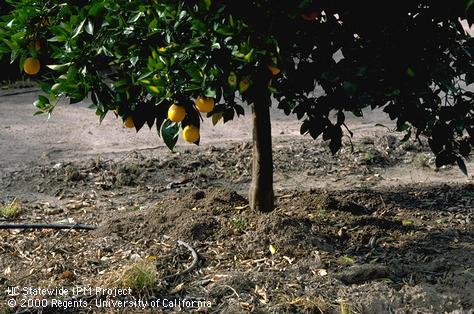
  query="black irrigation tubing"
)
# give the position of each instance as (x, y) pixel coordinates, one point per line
(48, 226)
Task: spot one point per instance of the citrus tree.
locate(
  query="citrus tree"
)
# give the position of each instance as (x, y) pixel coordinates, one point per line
(173, 63)
(8, 72)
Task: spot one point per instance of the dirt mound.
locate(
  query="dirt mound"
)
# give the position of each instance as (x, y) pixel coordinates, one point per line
(190, 215)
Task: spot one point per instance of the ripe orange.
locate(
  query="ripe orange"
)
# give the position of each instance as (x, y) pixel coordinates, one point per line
(31, 66)
(204, 104)
(273, 69)
(191, 134)
(128, 123)
(176, 113)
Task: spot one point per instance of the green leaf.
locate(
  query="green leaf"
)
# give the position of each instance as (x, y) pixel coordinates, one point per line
(134, 60)
(56, 87)
(79, 29)
(136, 17)
(402, 127)
(469, 4)
(43, 105)
(145, 75)
(248, 55)
(169, 132)
(462, 165)
(42, 100)
(58, 39)
(90, 27)
(216, 117)
(349, 87)
(210, 92)
(59, 67)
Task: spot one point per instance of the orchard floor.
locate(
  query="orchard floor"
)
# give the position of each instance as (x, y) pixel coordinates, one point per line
(374, 229)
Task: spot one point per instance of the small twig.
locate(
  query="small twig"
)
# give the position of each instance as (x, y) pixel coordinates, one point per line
(48, 226)
(193, 264)
(233, 290)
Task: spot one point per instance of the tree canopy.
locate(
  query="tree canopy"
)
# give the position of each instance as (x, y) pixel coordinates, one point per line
(137, 57)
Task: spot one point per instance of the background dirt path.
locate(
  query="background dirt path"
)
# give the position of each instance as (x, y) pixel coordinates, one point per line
(73, 133)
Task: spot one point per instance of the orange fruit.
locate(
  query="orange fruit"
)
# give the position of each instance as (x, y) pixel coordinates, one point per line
(273, 69)
(128, 123)
(191, 134)
(176, 113)
(31, 66)
(204, 104)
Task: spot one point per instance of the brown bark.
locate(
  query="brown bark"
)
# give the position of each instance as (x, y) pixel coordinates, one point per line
(261, 188)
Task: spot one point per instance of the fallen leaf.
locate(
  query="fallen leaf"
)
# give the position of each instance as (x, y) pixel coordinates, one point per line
(322, 272)
(341, 232)
(262, 294)
(241, 207)
(272, 249)
(346, 260)
(151, 258)
(67, 275)
(178, 288)
(407, 222)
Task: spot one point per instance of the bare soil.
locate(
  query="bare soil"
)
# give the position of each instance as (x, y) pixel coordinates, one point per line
(374, 229)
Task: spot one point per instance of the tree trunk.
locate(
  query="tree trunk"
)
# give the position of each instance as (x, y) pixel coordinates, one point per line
(261, 188)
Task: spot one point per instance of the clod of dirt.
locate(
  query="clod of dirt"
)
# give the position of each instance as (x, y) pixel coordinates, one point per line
(374, 157)
(199, 195)
(72, 173)
(124, 179)
(345, 205)
(225, 197)
(363, 273)
(204, 229)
